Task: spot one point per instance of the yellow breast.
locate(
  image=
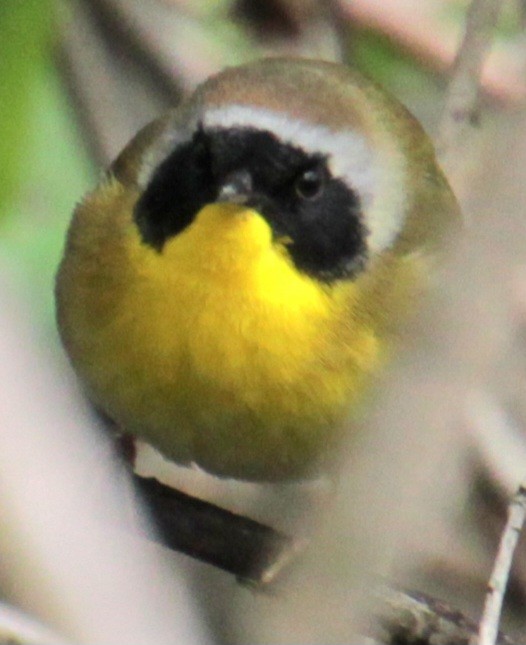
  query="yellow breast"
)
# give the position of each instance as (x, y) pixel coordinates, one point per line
(216, 350)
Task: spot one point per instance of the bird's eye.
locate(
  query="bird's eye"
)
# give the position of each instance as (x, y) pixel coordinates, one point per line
(310, 183)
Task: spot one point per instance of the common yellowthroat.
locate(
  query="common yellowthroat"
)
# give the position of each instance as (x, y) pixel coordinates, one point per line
(232, 285)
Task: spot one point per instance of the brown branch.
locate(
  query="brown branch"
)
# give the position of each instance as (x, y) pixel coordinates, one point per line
(234, 543)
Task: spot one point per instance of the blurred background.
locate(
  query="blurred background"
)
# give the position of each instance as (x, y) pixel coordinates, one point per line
(79, 78)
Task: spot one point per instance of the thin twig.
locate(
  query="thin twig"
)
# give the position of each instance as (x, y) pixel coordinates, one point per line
(489, 623)
(461, 107)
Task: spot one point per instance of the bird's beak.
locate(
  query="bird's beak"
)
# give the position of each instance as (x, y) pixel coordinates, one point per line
(237, 188)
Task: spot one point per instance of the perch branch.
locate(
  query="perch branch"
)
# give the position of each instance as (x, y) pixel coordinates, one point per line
(234, 543)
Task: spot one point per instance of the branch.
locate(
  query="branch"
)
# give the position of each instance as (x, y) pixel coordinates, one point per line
(249, 550)
(257, 554)
(403, 617)
(461, 108)
(489, 622)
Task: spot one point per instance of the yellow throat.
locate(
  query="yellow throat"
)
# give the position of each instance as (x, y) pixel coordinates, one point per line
(217, 349)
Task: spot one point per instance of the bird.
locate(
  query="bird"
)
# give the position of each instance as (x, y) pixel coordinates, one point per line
(233, 287)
